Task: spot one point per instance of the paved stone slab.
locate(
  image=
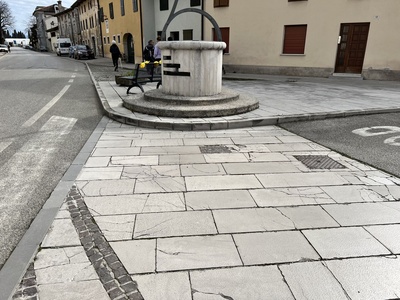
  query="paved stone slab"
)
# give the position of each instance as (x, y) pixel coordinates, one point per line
(265, 157)
(115, 151)
(228, 182)
(308, 217)
(107, 187)
(112, 136)
(260, 168)
(312, 281)
(295, 147)
(151, 171)
(274, 247)
(174, 224)
(251, 220)
(344, 242)
(218, 199)
(255, 283)
(364, 213)
(157, 142)
(255, 140)
(137, 256)
(160, 185)
(61, 233)
(196, 253)
(84, 290)
(115, 143)
(290, 196)
(149, 160)
(368, 278)
(166, 286)
(208, 141)
(97, 162)
(100, 173)
(300, 179)
(352, 193)
(181, 159)
(116, 228)
(170, 150)
(214, 158)
(132, 204)
(202, 170)
(387, 235)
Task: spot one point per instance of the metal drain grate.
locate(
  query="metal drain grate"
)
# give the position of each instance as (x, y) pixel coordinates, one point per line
(215, 149)
(319, 162)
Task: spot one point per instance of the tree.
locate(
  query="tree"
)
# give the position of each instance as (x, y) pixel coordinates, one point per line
(6, 18)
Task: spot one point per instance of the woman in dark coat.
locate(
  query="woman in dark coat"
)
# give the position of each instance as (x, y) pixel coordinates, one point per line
(115, 54)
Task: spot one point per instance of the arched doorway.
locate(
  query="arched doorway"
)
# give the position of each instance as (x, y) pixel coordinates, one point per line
(129, 48)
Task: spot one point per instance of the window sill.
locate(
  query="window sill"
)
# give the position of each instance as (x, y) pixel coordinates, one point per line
(285, 54)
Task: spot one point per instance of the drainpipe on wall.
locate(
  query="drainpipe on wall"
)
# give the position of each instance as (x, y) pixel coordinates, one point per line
(202, 21)
(101, 30)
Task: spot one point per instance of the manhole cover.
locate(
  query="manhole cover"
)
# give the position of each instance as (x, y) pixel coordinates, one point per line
(319, 162)
(215, 149)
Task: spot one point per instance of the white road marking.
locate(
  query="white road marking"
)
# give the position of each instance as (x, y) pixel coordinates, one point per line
(41, 112)
(392, 141)
(4, 145)
(71, 81)
(379, 130)
(73, 75)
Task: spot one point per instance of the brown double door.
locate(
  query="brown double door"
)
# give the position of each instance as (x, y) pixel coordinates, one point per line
(351, 47)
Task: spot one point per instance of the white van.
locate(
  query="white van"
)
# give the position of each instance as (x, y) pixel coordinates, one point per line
(62, 46)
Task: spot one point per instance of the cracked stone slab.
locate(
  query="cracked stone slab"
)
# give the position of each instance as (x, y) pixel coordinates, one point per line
(214, 158)
(295, 147)
(60, 256)
(260, 168)
(290, 196)
(312, 281)
(174, 224)
(134, 160)
(107, 187)
(166, 286)
(61, 233)
(181, 159)
(115, 151)
(116, 228)
(160, 185)
(251, 220)
(83, 290)
(387, 235)
(267, 157)
(352, 193)
(132, 204)
(365, 213)
(390, 192)
(202, 170)
(219, 199)
(274, 247)
(137, 256)
(344, 242)
(256, 140)
(185, 253)
(228, 182)
(308, 217)
(100, 173)
(170, 150)
(114, 143)
(157, 142)
(151, 171)
(368, 278)
(301, 179)
(255, 283)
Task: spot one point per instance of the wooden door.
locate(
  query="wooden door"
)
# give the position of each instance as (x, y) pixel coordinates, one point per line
(351, 47)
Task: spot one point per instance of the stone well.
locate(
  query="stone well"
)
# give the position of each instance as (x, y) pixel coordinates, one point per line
(191, 84)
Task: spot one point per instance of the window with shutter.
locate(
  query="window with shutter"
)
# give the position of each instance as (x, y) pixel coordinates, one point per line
(295, 39)
(221, 3)
(225, 37)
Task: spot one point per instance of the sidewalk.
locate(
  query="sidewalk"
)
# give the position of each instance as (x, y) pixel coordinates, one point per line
(225, 214)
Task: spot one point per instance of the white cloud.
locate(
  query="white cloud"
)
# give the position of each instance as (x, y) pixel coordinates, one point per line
(22, 10)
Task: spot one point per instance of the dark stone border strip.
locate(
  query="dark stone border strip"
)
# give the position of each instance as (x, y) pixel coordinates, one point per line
(27, 289)
(112, 273)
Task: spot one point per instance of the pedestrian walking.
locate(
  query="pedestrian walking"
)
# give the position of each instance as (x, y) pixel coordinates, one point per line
(9, 48)
(157, 51)
(115, 54)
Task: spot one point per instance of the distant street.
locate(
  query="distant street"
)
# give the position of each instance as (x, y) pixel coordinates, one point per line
(49, 108)
(373, 139)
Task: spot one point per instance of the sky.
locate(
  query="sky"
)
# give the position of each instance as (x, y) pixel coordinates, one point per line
(22, 11)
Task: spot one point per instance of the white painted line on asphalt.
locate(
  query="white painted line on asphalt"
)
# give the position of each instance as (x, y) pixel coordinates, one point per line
(41, 112)
(393, 141)
(71, 81)
(4, 145)
(376, 130)
(73, 75)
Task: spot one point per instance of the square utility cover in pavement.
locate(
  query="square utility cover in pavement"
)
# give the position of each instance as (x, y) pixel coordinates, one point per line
(319, 162)
(215, 149)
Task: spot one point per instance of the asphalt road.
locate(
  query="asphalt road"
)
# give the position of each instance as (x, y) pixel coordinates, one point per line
(372, 139)
(49, 108)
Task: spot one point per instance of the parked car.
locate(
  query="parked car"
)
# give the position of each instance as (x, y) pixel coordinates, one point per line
(72, 51)
(83, 51)
(3, 48)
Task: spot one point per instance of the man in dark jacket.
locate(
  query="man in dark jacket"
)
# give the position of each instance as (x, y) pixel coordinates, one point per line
(115, 54)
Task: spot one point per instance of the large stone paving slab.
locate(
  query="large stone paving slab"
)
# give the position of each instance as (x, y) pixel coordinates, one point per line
(61, 233)
(200, 252)
(228, 182)
(84, 290)
(368, 278)
(255, 283)
(116, 228)
(260, 168)
(300, 179)
(274, 247)
(308, 217)
(312, 281)
(388, 235)
(344, 242)
(107, 187)
(354, 193)
(218, 199)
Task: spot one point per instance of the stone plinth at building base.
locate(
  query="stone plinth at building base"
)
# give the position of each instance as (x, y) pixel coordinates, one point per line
(155, 102)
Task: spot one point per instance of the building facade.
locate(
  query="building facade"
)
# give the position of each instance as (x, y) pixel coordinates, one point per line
(309, 37)
(89, 24)
(69, 25)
